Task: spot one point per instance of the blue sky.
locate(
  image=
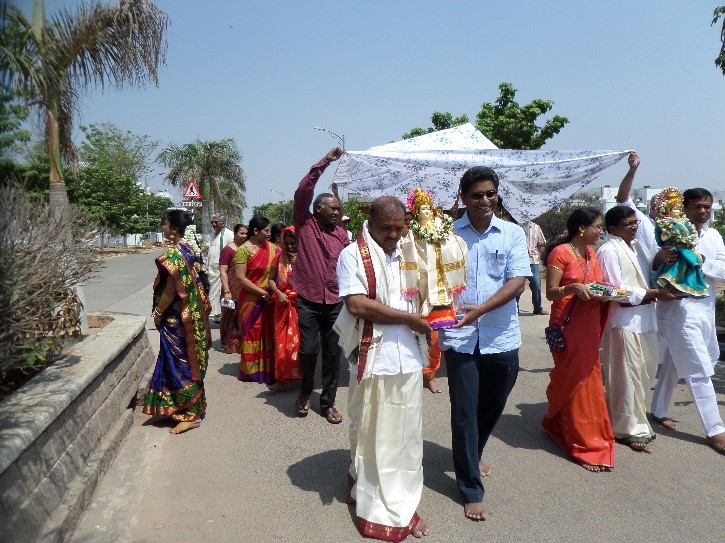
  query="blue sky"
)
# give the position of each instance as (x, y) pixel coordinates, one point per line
(627, 74)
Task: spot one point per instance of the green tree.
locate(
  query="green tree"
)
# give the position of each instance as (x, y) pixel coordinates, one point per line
(276, 211)
(358, 214)
(720, 60)
(12, 116)
(50, 62)
(553, 222)
(125, 153)
(31, 171)
(440, 121)
(115, 202)
(506, 123)
(215, 166)
(512, 126)
(719, 222)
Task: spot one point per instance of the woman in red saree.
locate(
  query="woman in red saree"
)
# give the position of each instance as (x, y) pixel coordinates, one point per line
(577, 418)
(254, 271)
(231, 289)
(286, 329)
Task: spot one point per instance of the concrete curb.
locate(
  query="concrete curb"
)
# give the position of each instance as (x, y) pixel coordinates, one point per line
(60, 432)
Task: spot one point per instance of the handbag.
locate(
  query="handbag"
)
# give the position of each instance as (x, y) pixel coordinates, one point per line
(555, 332)
(555, 336)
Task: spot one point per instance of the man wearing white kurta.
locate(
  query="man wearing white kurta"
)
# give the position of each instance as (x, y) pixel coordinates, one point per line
(630, 350)
(687, 328)
(385, 340)
(223, 236)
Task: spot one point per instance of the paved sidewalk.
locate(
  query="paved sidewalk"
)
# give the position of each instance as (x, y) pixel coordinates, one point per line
(254, 472)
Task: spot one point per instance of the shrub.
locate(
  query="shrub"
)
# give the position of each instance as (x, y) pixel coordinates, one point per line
(42, 257)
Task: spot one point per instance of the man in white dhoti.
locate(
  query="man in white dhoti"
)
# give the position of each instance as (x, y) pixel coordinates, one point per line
(223, 236)
(385, 339)
(687, 328)
(630, 350)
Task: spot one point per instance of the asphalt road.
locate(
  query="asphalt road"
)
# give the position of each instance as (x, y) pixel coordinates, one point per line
(254, 472)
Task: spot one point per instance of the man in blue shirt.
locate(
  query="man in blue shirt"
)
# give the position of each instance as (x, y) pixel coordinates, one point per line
(482, 350)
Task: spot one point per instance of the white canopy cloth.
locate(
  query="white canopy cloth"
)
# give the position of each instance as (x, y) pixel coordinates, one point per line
(531, 182)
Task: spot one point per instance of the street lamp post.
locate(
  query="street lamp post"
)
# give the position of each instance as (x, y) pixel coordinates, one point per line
(340, 139)
(281, 204)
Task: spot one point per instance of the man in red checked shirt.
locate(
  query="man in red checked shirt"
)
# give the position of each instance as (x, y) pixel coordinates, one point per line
(319, 243)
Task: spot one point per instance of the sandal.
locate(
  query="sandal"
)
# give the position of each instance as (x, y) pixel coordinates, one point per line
(332, 415)
(303, 405)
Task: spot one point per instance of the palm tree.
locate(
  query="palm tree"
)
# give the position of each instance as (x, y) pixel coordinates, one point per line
(49, 62)
(214, 165)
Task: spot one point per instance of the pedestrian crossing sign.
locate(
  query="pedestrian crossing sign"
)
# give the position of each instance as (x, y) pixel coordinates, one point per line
(192, 191)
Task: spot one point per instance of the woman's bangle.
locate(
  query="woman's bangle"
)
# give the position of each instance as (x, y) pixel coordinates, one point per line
(561, 291)
(156, 312)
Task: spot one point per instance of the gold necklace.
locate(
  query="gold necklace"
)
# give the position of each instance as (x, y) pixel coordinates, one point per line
(575, 250)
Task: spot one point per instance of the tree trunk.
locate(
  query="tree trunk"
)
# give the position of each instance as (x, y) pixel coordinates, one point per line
(206, 213)
(58, 195)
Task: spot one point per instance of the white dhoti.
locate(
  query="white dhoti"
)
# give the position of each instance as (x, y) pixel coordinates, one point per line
(221, 240)
(629, 361)
(386, 444)
(215, 288)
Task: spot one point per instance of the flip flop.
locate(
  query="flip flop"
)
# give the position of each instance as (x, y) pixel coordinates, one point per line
(332, 415)
(303, 405)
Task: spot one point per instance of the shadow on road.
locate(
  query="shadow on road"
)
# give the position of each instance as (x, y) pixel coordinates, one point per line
(323, 473)
(284, 401)
(231, 368)
(438, 472)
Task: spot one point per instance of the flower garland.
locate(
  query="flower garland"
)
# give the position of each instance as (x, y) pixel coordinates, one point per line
(436, 235)
(190, 239)
(668, 226)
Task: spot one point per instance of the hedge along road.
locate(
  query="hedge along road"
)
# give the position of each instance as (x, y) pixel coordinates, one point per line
(254, 472)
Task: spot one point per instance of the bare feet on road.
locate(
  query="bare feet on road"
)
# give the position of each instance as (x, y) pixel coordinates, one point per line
(474, 511)
(431, 385)
(665, 422)
(594, 468)
(717, 442)
(421, 529)
(184, 427)
(484, 468)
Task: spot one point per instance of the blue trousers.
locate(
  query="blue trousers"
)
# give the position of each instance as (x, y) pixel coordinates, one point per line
(535, 285)
(479, 386)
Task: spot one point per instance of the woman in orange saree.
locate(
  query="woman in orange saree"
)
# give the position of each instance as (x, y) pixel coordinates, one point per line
(286, 329)
(254, 271)
(577, 418)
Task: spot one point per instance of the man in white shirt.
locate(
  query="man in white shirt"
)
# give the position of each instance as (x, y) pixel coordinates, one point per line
(385, 340)
(630, 350)
(646, 230)
(345, 222)
(535, 241)
(223, 236)
(687, 329)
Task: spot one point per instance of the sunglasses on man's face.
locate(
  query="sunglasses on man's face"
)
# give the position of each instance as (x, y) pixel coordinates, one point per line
(479, 195)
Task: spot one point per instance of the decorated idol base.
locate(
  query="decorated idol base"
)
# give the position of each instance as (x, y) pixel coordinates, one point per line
(441, 317)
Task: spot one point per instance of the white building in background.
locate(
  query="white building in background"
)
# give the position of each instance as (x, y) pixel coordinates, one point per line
(165, 194)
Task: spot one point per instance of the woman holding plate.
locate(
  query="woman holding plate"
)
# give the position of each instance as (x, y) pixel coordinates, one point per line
(577, 417)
